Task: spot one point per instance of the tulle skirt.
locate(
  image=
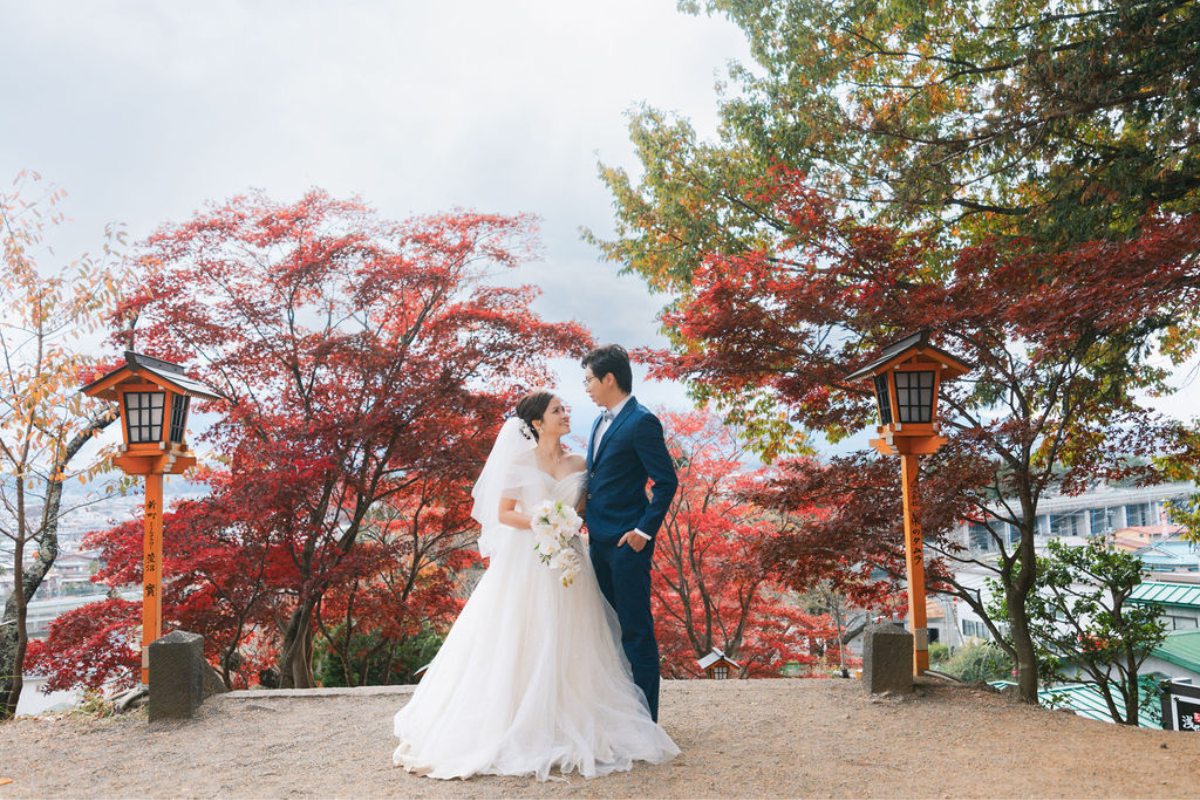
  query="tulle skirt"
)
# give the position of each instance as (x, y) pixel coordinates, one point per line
(531, 677)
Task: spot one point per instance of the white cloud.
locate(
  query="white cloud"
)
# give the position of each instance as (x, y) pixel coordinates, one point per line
(144, 111)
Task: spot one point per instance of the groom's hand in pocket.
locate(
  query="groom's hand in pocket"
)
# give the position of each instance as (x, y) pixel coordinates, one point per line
(634, 540)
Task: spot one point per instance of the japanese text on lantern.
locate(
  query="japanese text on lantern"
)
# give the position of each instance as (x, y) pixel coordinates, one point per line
(918, 537)
(151, 521)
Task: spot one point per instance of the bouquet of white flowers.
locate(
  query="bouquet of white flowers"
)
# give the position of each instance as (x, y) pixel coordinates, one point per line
(554, 525)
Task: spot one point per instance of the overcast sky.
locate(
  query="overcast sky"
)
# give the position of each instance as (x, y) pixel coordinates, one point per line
(142, 111)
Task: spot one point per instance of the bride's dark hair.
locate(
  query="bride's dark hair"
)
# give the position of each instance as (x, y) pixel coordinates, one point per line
(532, 407)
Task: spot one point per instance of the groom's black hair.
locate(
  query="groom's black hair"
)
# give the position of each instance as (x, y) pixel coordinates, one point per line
(611, 359)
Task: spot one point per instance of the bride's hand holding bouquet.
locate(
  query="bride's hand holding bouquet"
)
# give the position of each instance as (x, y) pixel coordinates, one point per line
(555, 524)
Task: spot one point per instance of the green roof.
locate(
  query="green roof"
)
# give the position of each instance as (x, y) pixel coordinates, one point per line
(1085, 700)
(1184, 595)
(1181, 648)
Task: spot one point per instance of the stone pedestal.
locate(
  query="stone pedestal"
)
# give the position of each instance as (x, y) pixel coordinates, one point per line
(887, 659)
(176, 675)
(212, 680)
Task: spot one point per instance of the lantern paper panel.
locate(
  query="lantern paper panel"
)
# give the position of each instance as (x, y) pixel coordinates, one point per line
(179, 413)
(144, 416)
(883, 397)
(914, 396)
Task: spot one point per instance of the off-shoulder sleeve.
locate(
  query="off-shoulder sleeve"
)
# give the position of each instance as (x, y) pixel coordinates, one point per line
(521, 475)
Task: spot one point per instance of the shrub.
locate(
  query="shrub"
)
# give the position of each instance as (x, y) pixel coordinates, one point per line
(978, 663)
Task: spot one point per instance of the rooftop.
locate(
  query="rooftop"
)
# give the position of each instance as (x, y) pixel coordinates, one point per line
(1180, 595)
(715, 656)
(1181, 648)
(1169, 555)
(1083, 699)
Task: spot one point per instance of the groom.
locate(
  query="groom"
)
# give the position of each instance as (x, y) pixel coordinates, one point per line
(626, 449)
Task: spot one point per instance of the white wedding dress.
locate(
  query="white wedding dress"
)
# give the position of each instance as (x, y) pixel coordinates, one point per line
(532, 676)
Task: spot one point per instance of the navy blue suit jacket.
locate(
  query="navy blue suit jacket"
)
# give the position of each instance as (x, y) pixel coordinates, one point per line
(631, 451)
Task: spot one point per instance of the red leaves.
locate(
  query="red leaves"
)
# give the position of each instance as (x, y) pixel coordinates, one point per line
(1060, 339)
(94, 646)
(711, 588)
(844, 523)
(1108, 288)
(364, 361)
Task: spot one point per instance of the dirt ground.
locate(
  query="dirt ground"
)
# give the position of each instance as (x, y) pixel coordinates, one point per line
(765, 738)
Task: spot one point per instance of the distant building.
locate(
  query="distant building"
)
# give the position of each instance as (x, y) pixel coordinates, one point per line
(1177, 556)
(43, 612)
(941, 620)
(71, 574)
(1180, 602)
(962, 625)
(1178, 657)
(1178, 592)
(718, 666)
(1083, 699)
(1125, 512)
(1132, 518)
(1138, 537)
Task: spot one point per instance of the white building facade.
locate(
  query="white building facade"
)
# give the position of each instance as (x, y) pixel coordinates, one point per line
(1100, 512)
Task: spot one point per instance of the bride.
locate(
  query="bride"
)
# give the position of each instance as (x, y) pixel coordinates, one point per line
(532, 676)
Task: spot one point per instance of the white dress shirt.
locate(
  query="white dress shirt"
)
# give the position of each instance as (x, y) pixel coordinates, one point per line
(605, 424)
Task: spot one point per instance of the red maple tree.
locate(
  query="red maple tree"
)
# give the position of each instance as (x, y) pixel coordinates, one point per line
(227, 579)
(1058, 338)
(218, 582)
(94, 646)
(358, 358)
(404, 581)
(711, 586)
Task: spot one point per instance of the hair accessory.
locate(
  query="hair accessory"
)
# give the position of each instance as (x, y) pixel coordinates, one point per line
(527, 431)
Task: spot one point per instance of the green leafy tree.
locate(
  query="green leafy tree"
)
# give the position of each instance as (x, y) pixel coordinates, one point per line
(1020, 179)
(1086, 629)
(1055, 120)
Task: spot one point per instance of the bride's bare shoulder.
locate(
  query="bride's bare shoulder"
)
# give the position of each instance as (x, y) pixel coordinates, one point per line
(577, 462)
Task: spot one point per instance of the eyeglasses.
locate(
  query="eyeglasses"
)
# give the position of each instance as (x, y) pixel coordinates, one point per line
(588, 380)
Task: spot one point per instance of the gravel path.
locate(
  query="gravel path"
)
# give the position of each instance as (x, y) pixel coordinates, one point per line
(764, 738)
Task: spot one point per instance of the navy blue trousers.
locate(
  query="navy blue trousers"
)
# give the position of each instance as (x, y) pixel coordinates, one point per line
(624, 577)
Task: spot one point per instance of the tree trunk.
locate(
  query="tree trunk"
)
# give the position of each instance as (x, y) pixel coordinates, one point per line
(295, 660)
(1027, 672)
(836, 601)
(14, 635)
(309, 680)
(1131, 690)
(1018, 618)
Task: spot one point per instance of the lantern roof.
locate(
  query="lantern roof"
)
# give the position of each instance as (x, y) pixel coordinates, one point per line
(914, 346)
(139, 368)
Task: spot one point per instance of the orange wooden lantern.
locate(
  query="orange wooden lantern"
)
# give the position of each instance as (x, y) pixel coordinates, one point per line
(154, 397)
(907, 378)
